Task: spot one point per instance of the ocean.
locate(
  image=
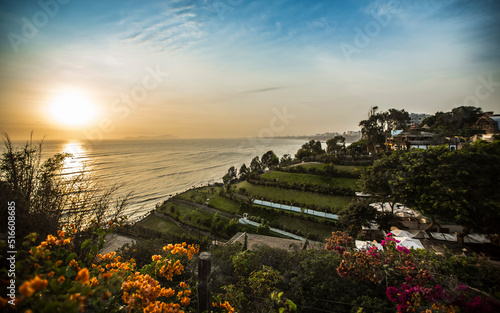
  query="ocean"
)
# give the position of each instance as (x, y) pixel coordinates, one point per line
(154, 170)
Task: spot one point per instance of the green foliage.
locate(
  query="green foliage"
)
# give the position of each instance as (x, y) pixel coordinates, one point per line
(46, 199)
(459, 121)
(358, 147)
(379, 125)
(311, 148)
(286, 160)
(357, 214)
(335, 145)
(231, 176)
(255, 290)
(295, 196)
(454, 185)
(269, 160)
(256, 165)
(284, 177)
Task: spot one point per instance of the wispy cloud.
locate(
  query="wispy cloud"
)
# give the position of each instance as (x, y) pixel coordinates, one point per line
(263, 90)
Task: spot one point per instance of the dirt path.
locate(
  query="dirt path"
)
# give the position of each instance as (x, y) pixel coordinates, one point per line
(305, 163)
(203, 207)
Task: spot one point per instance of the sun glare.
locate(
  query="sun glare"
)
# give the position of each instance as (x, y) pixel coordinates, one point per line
(72, 108)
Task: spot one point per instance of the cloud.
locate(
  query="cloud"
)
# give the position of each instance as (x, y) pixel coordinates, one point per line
(262, 90)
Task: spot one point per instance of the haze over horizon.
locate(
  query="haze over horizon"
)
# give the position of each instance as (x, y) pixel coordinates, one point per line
(235, 68)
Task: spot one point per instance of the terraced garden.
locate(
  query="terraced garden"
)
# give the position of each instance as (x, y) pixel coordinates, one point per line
(294, 196)
(336, 182)
(196, 208)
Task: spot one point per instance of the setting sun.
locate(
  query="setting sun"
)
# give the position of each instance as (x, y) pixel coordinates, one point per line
(72, 108)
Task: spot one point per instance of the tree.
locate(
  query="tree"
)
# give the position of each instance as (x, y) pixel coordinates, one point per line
(335, 145)
(379, 125)
(397, 119)
(217, 225)
(44, 198)
(459, 121)
(372, 130)
(230, 176)
(357, 214)
(377, 179)
(357, 147)
(454, 185)
(269, 160)
(286, 160)
(243, 173)
(312, 148)
(302, 154)
(255, 165)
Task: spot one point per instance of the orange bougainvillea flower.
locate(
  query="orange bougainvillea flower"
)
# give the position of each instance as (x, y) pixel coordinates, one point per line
(94, 281)
(61, 279)
(58, 263)
(83, 276)
(107, 276)
(61, 234)
(29, 287)
(185, 301)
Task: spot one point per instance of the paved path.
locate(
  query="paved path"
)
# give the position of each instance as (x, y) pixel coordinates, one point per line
(275, 230)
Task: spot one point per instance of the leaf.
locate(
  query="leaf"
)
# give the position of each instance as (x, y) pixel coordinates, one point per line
(70, 273)
(70, 257)
(291, 305)
(101, 242)
(85, 243)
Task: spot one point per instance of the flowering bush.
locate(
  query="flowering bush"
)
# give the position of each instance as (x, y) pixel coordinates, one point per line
(338, 242)
(437, 299)
(417, 289)
(391, 264)
(56, 279)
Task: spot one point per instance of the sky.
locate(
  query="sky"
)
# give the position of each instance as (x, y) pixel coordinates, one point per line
(238, 68)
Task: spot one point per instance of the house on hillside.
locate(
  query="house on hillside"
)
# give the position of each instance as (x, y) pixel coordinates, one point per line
(489, 123)
(413, 139)
(401, 140)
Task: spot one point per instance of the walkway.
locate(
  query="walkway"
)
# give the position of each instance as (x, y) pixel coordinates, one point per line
(297, 209)
(274, 230)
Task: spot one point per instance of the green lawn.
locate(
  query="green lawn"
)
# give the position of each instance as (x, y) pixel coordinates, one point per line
(188, 215)
(201, 196)
(294, 223)
(193, 195)
(343, 168)
(161, 225)
(223, 204)
(311, 179)
(349, 168)
(273, 194)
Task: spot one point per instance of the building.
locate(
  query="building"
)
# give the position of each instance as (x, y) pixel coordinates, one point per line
(489, 123)
(419, 140)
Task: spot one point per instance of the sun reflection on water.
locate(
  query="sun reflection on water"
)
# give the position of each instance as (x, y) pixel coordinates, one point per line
(77, 162)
